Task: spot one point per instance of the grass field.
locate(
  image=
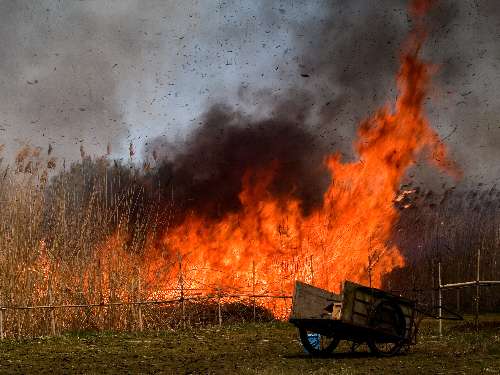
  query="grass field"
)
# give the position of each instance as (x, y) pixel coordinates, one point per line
(267, 348)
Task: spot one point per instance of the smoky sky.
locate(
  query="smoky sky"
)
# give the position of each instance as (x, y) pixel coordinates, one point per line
(58, 84)
(116, 72)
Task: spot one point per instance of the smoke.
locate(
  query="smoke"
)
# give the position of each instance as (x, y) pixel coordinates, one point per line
(63, 65)
(205, 173)
(349, 53)
(465, 107)
(342, 67)
(86, 73)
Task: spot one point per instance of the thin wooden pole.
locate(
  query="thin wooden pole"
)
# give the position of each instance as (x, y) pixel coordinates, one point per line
(477, 290)
(52, 315)
(253, 290)
(312, 270)
(181, 285)
(111, 285)
(139, 309)
(2, 334)
(219, 306)
(433, 281)
(18, 324)
(370, 264)
(369, 272)
(440, 301)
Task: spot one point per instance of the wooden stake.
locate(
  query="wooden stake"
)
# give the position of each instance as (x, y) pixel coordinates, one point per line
(440, 301)
(477, 290)
(139, 307)
(111, 312)
(253, 290)
(370, 263)
(312, 270)
(18, 325)
(52, 315)
(219, 306)
(181, 285)
(369, 272)
(433, 277)
(2, 334)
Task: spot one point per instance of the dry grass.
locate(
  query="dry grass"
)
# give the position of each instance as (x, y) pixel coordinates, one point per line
(53, 242)
(76, 236)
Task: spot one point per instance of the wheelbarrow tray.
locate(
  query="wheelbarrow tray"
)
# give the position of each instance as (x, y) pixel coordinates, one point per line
(348, 316)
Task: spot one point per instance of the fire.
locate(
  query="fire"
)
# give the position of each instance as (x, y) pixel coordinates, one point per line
(270, 243)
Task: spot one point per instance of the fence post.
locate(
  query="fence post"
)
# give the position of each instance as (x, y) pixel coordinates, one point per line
(440, 301)
(139, 309)
(477, 290)
(52, 315)
(312, 270)
(2, 334)
(219, 306)
(18, 322)
(253, 290)
(433, 283)
(181, 285)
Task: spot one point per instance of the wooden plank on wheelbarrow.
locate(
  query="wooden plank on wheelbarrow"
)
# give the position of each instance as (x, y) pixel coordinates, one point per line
(310, 302)
(358, 300)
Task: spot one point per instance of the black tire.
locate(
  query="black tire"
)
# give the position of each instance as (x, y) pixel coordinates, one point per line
(387, 317)
(326, 345)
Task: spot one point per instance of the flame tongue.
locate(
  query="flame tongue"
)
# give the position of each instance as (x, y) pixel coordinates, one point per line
(270, 242)
(347, 237)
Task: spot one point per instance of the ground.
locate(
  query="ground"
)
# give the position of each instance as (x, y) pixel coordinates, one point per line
(266, 348)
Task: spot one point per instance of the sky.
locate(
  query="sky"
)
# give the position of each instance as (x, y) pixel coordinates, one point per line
(116, 72)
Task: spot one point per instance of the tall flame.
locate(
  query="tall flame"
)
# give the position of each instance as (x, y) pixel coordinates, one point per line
(269, 243)
(348, 237)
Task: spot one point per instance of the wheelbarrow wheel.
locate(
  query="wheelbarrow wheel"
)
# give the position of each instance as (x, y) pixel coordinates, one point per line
(317, 344)
(387, 320)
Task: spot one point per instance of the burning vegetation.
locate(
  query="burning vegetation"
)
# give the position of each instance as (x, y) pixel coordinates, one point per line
(271, 231)
(245, 209)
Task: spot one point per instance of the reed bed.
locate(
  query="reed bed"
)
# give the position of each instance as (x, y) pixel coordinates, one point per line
(76, 236)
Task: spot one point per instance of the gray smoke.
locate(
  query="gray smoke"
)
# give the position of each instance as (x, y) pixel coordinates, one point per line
(62, 67)
(130, 71)
(348, 54)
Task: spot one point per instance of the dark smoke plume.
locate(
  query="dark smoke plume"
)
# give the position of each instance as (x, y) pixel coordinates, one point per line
(349, 57)
(205, 175)
(342, 66)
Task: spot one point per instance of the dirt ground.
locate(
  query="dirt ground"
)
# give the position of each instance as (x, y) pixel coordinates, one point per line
(267, 348)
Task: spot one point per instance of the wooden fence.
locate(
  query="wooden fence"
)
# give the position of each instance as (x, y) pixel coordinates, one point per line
(478, 283)
(219, 298)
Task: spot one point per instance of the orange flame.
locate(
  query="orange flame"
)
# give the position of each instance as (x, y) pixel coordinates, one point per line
(269, 243)
(348, 237)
